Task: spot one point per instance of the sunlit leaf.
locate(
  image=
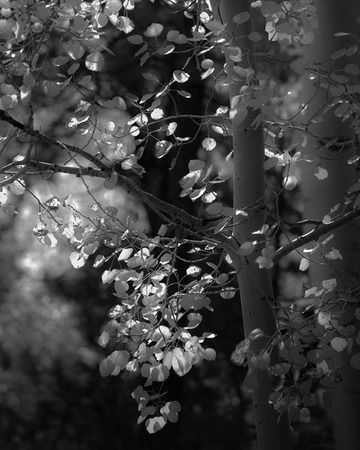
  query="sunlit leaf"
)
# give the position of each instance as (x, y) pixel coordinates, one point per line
(304, 264)
(209, 144)
(181, 361)
(77, 259)
(180, 76)
(155, 424)
(154, 30)
(95, 61)
(162, 148)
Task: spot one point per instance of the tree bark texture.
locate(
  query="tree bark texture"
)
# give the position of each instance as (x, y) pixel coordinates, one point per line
(255, 284)
(321, 195)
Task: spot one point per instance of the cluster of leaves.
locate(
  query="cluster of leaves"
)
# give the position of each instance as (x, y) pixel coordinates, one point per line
(151, 328)
(311, 341)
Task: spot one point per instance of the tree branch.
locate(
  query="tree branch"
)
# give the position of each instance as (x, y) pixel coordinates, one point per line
(172, 213)
(175, 214)
(43, 138)
(314, 235)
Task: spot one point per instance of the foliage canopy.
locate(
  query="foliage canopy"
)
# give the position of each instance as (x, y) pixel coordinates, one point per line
(55, 52)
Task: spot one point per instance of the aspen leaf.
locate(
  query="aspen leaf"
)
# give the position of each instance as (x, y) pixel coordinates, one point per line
(17, 188)
(209, 144)
(162, 148)
(257, 333)
(254, 36)
(330, 284)
(209, 354)
(338, 54)
(135, 39)
(238, 358)
(75, 50)
(304, 264)
(207, 73)
(194, 320)
(338, 344)
(234, 53)
(155, 424)
(123, 23)
(264, 262)
(167, 359)
(280, 368)
(95, 61)
(172, 35)
(193, 271)
(289, 182)
(3, 195)
(184, 94)
(321, 173)
(180, 76)
(315, 355)
(181, 361)
(125, 254)
(111, 182)
(112, 7)
(171, 128)
(80, 24)
(246, 248)
(166, 50)
(157, 113)
(106, 367)
(241, 18)
(333, 254)
(154, 30)
(357, 313)
(108, 276)
(352, 69)
(77, 260)
(215, 208)
(227, 293)
(355, 361)
(120, 358)
(207, 64)
(101, 20)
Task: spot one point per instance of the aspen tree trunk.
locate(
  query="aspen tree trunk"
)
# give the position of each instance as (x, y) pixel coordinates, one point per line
(320, 196)
(273, 433)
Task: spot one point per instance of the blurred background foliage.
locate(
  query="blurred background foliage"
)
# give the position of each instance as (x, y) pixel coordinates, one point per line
(51, 315)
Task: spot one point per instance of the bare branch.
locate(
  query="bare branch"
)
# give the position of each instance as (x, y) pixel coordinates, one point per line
(43, 138)
(172, 213)
(314, 234)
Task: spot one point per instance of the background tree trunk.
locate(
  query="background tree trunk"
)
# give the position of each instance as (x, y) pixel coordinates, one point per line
(321, 195)
(249, 187)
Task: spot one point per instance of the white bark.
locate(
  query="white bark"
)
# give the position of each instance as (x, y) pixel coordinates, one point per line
(249, 186)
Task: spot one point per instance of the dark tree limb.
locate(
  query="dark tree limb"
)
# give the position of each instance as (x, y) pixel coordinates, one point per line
(314, 234)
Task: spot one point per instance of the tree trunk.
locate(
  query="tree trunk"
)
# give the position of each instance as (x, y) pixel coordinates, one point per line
(249, 187)
(321, 195)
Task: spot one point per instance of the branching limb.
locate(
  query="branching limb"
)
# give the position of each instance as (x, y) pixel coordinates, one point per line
(51, 141)
(314, 234)
(169, 212)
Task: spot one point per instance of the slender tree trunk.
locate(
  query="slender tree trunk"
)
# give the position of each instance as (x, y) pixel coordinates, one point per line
(321, 195)
(249, 187)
